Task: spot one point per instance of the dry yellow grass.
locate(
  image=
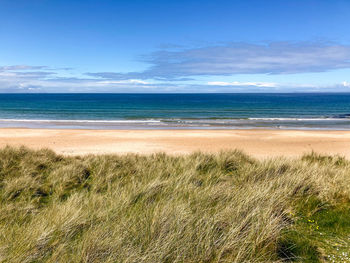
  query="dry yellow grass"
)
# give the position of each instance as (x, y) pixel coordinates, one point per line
(224, 207)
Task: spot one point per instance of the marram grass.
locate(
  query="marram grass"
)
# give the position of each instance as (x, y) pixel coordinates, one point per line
(225, 207)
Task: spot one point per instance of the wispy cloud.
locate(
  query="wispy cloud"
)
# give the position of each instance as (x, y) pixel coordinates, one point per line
(179, 70)
(21, 67)
(37, 82)
(243, 84)
(240, 58)
(128, 81)
(26, 75)
(29, 79)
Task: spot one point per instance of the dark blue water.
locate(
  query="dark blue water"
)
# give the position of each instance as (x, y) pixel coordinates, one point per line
(304, 111)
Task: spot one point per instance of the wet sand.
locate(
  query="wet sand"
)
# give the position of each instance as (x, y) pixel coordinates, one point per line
(259, 143)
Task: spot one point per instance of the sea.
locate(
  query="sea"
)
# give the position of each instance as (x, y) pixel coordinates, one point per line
(305, 111)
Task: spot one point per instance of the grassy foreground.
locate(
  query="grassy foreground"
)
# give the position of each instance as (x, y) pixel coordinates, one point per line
(225, 207)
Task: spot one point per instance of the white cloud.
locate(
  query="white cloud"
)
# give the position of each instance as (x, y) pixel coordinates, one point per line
(249, 84)
(30, 79)
(128, 81)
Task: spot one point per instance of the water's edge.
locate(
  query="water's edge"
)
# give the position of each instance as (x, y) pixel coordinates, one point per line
(250, 123)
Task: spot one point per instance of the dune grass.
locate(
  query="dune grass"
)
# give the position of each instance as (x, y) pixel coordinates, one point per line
(224, 207)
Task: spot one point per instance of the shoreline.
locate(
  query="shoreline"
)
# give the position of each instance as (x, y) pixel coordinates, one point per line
(260, 143)
(253, 123)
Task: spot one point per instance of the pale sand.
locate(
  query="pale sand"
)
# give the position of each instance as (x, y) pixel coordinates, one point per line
(259, 143)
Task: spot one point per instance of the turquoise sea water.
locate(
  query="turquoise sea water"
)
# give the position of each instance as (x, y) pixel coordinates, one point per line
(176, 111)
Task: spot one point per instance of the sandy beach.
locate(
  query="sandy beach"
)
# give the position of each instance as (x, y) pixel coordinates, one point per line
(259, 143)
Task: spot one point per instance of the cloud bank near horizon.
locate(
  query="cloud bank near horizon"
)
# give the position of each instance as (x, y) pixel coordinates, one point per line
(240, 58)
(177, 69)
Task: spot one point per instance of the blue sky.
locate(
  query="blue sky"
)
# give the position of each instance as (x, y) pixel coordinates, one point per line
(174, 46)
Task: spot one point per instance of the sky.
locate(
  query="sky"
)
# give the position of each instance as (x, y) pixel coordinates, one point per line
(174, 46)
